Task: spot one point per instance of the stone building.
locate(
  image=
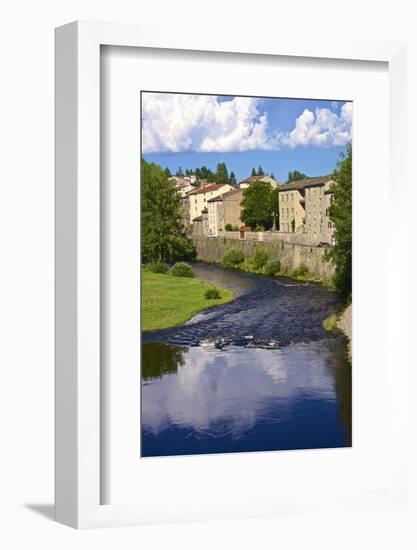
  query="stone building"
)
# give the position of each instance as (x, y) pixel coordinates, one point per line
(224, 210)
(200, 197)
(304, 208)
(200, 224)
(185, 212)
(244, 184)
(183, 185)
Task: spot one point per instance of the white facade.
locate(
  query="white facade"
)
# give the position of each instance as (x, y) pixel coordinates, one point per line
(200, 197)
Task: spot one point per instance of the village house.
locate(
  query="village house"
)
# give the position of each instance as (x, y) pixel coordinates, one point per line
(183, 185)
(199, 197)
(200, 224)
(244, 184)
(304, 208)
(185, 212)
(224, 210)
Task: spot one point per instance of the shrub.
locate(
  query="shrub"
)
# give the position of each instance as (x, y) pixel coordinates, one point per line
(273, 267)
(212, 294)
(249, 266)
(158, 267)
(232, 258)
(330, 323)
(230, 227)
(301, 271)
(260, 259)
(259, 228)
(181, 269)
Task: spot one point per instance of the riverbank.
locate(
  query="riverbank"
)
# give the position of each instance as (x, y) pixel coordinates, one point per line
(301, 274)
(168, 301)
(345, 325)
(342, 322)
(293, 257)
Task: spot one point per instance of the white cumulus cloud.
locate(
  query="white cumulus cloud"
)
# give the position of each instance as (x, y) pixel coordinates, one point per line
(321, 128)
(180, 122)
(203, 123)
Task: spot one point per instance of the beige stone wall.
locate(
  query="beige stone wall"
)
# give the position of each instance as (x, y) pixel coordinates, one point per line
(292, 256)
(232, 209)
(200, 228)
(291, 208)
(273, 236)
(224, 211)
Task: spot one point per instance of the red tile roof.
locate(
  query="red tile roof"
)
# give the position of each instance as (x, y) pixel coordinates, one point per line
(302, 184)
(227, 195)
(207, 188)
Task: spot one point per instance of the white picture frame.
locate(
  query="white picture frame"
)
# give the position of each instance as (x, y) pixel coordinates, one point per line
(77, 240)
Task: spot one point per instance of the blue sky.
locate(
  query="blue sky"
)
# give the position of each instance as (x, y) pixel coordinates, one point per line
(278, 134)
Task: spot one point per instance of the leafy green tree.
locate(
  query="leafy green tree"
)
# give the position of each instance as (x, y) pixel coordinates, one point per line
(221, 173)
(167, 172)
(340, 212)
(275, 206)
(232, 179)
(260, 171)
(206, 174)
(257, 205)
(253, 173)
(295, 176)
(163, 237)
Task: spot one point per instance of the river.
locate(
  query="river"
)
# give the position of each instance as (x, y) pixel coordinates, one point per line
(257, 374)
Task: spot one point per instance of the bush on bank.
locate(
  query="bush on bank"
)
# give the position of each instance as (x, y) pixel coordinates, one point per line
(182, 269)
(272, 268)
(233, 258)
(260, 259)
(212, 294)
(157, 267)
(330, 323)
(300, 272)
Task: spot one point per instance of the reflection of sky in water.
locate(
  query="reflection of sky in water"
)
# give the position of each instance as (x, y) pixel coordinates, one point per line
(226, 393)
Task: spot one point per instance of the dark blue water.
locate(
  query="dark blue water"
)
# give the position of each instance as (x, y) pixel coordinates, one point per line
(257, 374)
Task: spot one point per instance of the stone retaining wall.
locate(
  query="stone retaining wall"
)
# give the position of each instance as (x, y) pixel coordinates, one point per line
(292, 256)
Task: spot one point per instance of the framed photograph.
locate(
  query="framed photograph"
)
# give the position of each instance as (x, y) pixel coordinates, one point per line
(229, 331)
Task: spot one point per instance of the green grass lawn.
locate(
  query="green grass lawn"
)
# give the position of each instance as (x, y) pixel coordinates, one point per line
(168, 301)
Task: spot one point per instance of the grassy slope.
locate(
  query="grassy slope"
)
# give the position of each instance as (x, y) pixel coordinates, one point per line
(168, 301)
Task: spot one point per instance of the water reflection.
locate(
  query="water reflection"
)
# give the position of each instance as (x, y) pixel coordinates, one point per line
(199, 400)
(158, 359)
(258, 373)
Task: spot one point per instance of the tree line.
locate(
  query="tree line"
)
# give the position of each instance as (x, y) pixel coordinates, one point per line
(220, 175)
